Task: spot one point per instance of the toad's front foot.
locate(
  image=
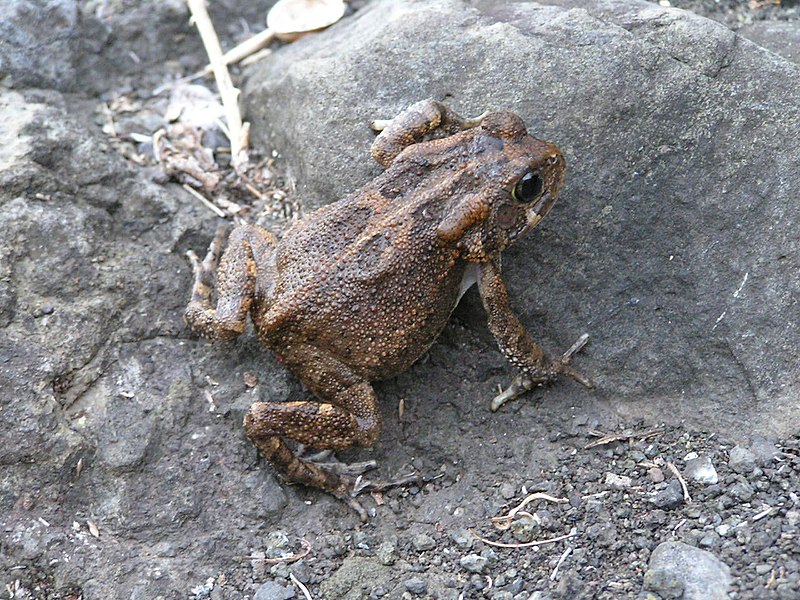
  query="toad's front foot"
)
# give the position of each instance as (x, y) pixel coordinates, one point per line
(205, 271)
(524, 382)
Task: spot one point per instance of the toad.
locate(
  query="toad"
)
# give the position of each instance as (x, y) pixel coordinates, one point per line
(359, 289)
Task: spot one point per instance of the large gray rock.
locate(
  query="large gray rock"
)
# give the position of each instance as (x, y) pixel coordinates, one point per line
(102, 412)
(38, 39)
(677, 570)
(674, 243)
(89, 46)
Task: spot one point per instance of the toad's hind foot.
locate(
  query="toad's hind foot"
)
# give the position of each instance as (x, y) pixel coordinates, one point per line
(327, 460)
(361, 485)
(235, 271)
(342, 480)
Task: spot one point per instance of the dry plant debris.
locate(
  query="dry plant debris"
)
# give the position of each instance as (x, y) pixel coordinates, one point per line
(552, 540)
(197, 137)
(180, 133)
(238, 132)
(618, 437)
(504, 522)
(291, 19)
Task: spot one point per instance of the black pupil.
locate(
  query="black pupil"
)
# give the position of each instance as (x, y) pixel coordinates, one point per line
(528, 188)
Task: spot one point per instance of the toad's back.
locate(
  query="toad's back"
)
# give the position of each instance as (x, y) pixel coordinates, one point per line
(366, 280)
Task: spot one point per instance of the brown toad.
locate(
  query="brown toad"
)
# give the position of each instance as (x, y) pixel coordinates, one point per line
(359, 290)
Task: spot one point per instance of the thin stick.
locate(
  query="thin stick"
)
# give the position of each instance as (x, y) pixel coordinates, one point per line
(245, 49)
(563, 557)
(228, 93)
(575, 348)
(299, 584)
(616, 437)
(526, 544)
(206, 202)
(767, 511)
(687, 498)
(501, 522)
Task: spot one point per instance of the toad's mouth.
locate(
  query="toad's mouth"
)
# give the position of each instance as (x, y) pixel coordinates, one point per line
(542, 207)
(538, 211)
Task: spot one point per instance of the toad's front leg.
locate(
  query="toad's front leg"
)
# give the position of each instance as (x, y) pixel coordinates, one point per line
(347, 416)
(515, 343)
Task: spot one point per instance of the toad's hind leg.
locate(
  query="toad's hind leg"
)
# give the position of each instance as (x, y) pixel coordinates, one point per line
(247, 251)
(347, 416)
(426, 119)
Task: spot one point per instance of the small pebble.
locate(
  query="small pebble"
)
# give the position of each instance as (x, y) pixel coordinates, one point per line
(272, 590)
(670, 497)
(474, 563)
(423, 542)
(508, 491)
(387, 553)
(416, 586)
(524, 528)
(741, 460)
(741, 490)
(618, 481)
(277, 545)
(763, 569)
(724, 529)
(701, 470)
(462, 538)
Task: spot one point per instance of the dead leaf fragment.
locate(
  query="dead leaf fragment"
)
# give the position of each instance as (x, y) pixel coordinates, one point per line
(290, 19)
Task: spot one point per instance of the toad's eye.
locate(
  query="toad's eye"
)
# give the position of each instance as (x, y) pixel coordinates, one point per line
(528, 188)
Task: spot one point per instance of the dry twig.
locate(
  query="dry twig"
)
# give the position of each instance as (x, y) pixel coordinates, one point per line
(237, 130)
(686, 497)
(504, 521)
(206, 202)
(764, 513)
(616, 437)
(525, 544)
(561, 559)
(299, 584)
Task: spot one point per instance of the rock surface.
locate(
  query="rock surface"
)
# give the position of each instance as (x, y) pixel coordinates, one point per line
(102, 415)
(677, 570)
(701, 469)
(673, 244)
